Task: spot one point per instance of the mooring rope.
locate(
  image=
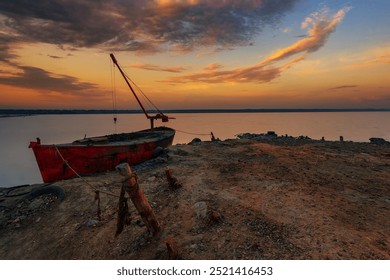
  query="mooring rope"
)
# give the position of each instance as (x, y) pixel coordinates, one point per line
(191, 133)
(78, 175)
(113, 93)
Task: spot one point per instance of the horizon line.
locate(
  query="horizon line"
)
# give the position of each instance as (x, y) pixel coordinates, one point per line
(181, 111)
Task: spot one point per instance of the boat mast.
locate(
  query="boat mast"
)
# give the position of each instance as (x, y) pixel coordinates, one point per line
(161, 116)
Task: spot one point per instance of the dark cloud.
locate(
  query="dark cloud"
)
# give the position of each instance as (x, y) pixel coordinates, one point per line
(55, 56)
(39, 79)
(343, 87)
(302, 36)
(142, 26)
(6, 53)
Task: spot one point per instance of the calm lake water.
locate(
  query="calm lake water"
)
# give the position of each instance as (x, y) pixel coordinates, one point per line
(18, 166)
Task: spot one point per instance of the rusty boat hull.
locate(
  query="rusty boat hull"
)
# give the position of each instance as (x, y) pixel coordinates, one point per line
(99, 154)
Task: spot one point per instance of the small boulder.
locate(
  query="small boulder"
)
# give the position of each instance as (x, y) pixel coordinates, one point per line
(195, 141)
(378, 141)
(91, 223)
(200, 210)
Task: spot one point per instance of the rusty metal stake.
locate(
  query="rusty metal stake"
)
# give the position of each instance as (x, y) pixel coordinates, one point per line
(173, 253)
(124, 217)
(173, 183)
(137, 196)
(99, 211)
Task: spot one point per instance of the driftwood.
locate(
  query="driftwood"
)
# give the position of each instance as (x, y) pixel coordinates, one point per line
(137, 196)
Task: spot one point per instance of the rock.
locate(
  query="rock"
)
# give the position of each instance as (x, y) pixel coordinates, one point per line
(36, 204)
(140, 223)
(195, 141)
(91, 223)
(272, 133)
(200, 209)
(378, 141)
(214, 217)
(180, 152)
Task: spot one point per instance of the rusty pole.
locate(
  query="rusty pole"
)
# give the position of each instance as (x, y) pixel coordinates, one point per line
(137, 196)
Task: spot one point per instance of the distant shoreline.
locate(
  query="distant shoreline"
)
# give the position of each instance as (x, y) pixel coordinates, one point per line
(30, 112)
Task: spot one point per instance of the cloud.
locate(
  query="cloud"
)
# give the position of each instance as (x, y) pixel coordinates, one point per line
(152, 67)
(6, 53)
(213, 66)
(55, 56)
(145, 26)
(320, 26)
(385, 59)
(375, 57)
(343, 87)
(39, 79)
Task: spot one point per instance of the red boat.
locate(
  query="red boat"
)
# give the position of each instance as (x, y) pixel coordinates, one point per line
(103, 153)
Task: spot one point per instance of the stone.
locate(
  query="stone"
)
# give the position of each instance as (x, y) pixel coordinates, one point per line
(195, 141)
(200, 209)
(91, 223)
(36, 204)
(378, 141)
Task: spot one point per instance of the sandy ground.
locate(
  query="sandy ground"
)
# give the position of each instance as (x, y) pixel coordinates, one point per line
(241, 199)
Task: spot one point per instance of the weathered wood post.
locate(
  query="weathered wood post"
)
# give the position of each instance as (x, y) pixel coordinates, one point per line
(137, 196)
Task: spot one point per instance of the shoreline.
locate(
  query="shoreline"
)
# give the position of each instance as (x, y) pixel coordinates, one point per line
(272, 138)
(274, 198)
(32, 112)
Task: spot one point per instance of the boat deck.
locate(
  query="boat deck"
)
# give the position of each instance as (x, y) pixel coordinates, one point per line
(124, 138)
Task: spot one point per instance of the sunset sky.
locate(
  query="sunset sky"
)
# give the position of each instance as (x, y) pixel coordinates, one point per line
(195, 53)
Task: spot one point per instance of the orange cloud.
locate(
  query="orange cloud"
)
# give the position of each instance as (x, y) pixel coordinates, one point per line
(367, 59)
(153, 67)
(321, 26)
(382, 59)
(212, 67)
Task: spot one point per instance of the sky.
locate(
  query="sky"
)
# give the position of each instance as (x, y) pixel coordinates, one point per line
(195, 54)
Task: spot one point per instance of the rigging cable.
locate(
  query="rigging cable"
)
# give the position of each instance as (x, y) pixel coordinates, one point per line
(146, 98)
(113, 94)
